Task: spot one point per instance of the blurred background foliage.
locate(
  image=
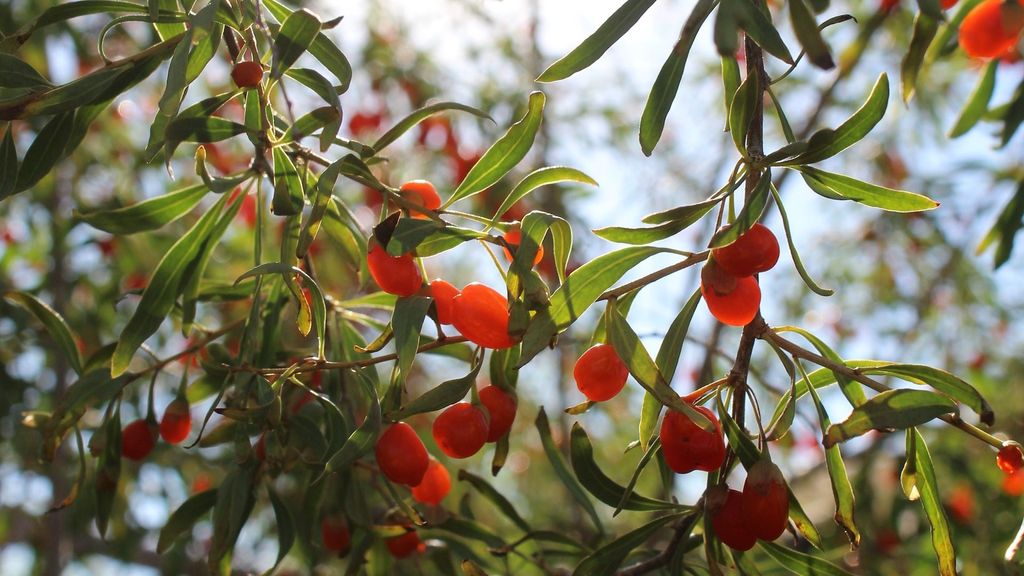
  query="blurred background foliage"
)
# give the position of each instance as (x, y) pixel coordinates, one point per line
(909, 288)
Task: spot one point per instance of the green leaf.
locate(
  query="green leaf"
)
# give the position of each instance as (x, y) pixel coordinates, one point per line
(748, 216)
(193, 277)
(627, 492)
(201, 109)
(581, 454)
(445, 239)
(417, 116)
(504, 154)
(689, 213)
(757, 23)
(163, 289)
(869, 194)
(827, 143)
(1010, 220)
(741, 110)
(8, 165)
(842, 490)
(597, 43)
(20, 74)
(147, 215)
(852, 389)
(932, 504)
(925, 27)
(800, 563)
(46, 150)
(407, 322)
(562, 470)
(632, 352)
(54, 324)
(289, 197)
(285, 529)
(666, 85)
(182, 519)
(891, 409)
(410, 233)
(977, 103)
(666, 361)
(108, 472)
(797, 261)
(1014, 115)
(235, 500)
(809, 35)
(198, 129)
(607, 559)
(579, 291)
(362, 438)
(496, 498)
(322, 48)
(536, 179)
(319, 84)
(644, 235)
(940, 380)
(296, 34)
(288, 272)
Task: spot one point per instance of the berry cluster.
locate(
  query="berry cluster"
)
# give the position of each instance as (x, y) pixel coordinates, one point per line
(139, 437)
(728, 284)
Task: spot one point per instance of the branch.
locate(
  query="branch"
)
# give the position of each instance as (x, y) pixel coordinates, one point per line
(654, 276)
(665, 556)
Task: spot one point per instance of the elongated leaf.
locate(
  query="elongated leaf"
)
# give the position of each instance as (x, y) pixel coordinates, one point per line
(870, 194)
(536, 179)
(597, 43)
(108, 472)
(977, 103)
(362, 438)
(182, 519)
(322, 48)
(46, 150)
(607, 559)
(891, 409)
(500, 502)
(927, 486)
(666, 361)
(797, 262)
(407, 322)
(285, 529)
(562, 470)
(316, 294)
(504, 154)
(417, 116)
(748, 216)
(54, 324)
(852, 389)
(827, 143)
(235, 500)
(689, 213)
(194, 276)
(297, 32)
(20, 74)
(147, 215)
(800, 563)
(288, 190)
(652, 451)
(842, 490)
(1004, 231)
(642, 236)
(198, 129)
(163, 289)
(581, 289)
(809, 35)
(581, 454)
(666, 85)
(758, 25)
(741, 110)
(925, 27)
(8, 164)
(319, 84)
(939, 379)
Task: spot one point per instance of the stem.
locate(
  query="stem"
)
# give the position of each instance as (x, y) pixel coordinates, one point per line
(327, 365)
(654, 276)
(665, 556)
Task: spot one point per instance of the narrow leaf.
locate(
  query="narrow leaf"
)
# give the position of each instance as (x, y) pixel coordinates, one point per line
(147, 215)
(891, 409)
(54, 324)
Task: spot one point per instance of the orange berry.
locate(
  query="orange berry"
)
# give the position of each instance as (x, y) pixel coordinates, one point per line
(422, 193)
(396, 275)
(735, 305)
(405, 545)
(247, 74)
(461, 430)
(435, 485)
(176, 422)
(731, 525)
(599, 373)
(443, 293)
(137, 440)
(688, 447)
(514, 237)
(756, 250)
(401, 456)
(1010, 459)
(991, 28)
(480, 314)
(766, 501)
(1013, 483)
(501, 406)
(335, 534)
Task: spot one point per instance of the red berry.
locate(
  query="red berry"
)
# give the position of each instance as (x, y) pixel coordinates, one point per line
(335, 534)
(991, 28)
(688, 447)
(481, 315)
(961, 504)
(397, 275)
(362, 122)
(137, 440)
(599, 373)
(443, 292)
(405, 545)
(731, 525)
(247, 74)
(1013, 484)
(734, 305)
(766, 500)
(514, 237)
(435, 485)
(176, 422)
(947, 4)
(501, 406)
(201, 483)
(401, 455)
(422, 193)
(461, 430)
(261, 448)
(756, 250)
(1010, 459)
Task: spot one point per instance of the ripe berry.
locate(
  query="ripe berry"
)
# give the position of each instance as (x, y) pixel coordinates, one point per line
(422, 193)
(443, 292)
(1010, 459)
(176, 422)
(731, 525)
(401, 455)
(688, 447)
(396, 275)
(756, 250)
(501, 406)
(435, 485)
(514, 237)
(335, 534)
(991, 28)
(766, 500)
(481, 315)
(733, 301)
(947, 4)
(247, 74)
(137, 440)
(1013, 484)
(599, 373)
(461, 430)
(405, 545)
